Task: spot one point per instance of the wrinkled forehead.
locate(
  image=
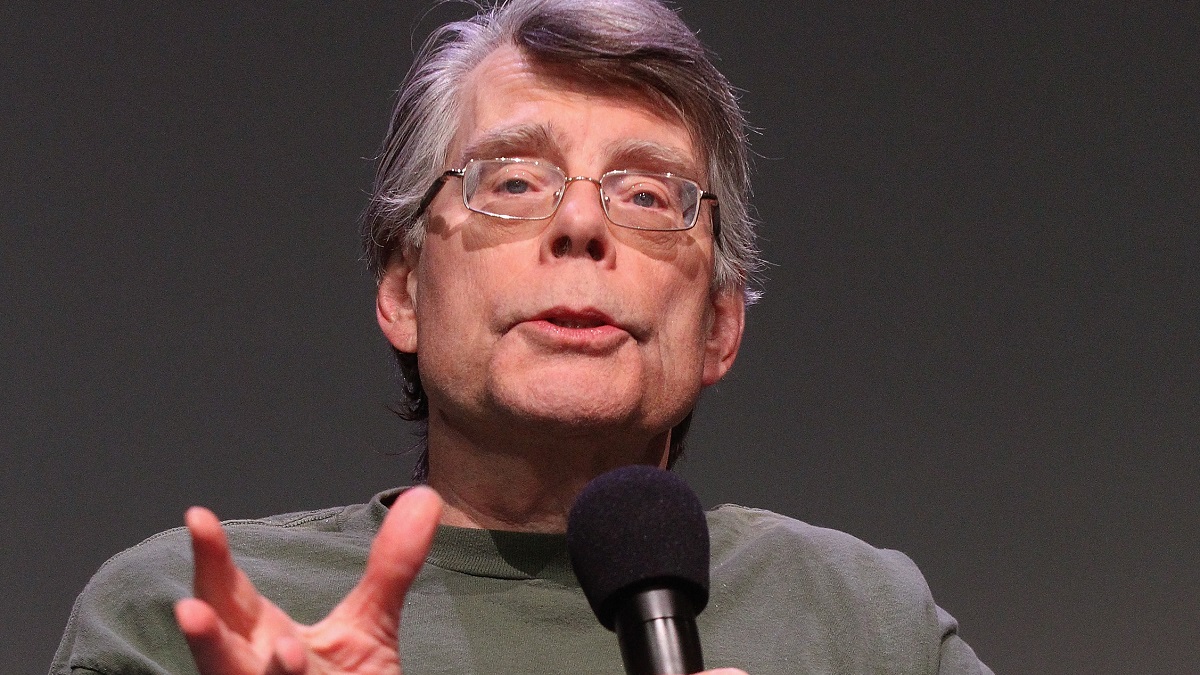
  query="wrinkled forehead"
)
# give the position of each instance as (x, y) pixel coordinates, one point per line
(576, 78)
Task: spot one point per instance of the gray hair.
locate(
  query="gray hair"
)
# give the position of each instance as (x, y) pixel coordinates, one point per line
(637, 46)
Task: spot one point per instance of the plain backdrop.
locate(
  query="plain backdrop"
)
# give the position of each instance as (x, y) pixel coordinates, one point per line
(978, 341)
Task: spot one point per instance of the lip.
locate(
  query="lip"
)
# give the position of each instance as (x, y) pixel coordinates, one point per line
(582, 319)
(586, 330)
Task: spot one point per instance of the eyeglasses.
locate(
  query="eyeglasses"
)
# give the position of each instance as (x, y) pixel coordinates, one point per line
(526, 189)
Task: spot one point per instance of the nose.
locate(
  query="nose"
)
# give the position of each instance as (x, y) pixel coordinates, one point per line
(579, 227)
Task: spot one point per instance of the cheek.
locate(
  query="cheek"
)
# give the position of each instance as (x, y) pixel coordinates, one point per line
(685, 315)
(464, 295)
(682, 301)
(454, 284)
(451, 307)
(452, 313)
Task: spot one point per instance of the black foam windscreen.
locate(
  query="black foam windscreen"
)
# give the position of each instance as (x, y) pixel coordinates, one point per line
(638, 527)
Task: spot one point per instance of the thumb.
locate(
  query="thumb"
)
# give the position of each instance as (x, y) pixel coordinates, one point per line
(396, 557)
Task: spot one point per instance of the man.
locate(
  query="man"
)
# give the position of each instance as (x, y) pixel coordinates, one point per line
(559, 286)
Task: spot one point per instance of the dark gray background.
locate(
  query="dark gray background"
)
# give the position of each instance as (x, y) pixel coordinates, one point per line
(978, 342)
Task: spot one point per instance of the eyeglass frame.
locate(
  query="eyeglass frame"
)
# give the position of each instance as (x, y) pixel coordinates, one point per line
(440, 181)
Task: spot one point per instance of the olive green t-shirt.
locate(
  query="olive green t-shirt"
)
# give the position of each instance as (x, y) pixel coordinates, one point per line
(786, 597)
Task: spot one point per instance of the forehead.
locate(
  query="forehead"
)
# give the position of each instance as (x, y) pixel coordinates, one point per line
(510, 106)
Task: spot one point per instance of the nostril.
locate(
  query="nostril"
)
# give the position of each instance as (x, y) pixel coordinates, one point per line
(595, 249)
(561, 246)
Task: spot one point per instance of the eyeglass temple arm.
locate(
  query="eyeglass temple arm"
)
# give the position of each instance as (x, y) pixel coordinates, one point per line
(716, 216)
(434, 189)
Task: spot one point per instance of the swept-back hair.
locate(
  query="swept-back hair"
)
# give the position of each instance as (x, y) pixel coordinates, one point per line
(638, 47)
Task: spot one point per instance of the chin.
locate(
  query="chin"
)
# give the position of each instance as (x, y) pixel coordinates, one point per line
(571, 399)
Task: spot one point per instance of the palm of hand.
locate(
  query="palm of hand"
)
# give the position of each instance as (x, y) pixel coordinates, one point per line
(232, 630)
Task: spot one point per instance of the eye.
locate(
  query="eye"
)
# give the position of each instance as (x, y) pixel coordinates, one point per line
(515, 186)
(512, 183)
(645, 200)
(639, 191)
(506, 180)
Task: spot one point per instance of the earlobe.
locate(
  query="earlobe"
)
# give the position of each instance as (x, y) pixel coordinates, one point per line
(395, 302)
(725, 334)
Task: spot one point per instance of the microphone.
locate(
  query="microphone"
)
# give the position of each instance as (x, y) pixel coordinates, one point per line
(638, 542)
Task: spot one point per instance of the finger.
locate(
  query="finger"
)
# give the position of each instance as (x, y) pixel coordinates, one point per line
(216, 649)
(396, 557)
(217, 579)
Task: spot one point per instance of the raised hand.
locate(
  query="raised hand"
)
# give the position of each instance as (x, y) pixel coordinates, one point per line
(232, 630)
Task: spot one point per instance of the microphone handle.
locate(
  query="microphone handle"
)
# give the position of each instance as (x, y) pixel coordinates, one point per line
(656, 628)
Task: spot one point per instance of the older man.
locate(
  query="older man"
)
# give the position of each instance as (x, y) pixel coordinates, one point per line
(546, 237)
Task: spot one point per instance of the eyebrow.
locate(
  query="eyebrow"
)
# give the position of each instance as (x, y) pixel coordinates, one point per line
(526, 141)
(542, 141)
(644, 155)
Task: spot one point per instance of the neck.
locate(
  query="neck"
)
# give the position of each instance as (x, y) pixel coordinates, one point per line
(526, 481)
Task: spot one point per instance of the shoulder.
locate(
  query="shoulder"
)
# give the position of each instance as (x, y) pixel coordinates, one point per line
(742, 532)
(827, 581)
(816, 596)
(165, 559)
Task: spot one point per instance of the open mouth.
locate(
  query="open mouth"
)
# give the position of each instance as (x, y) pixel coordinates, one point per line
(575, 322)
(574, 330)
(578, 319)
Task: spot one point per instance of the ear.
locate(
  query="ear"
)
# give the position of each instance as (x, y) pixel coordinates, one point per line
(724, 334)
(396, 301)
